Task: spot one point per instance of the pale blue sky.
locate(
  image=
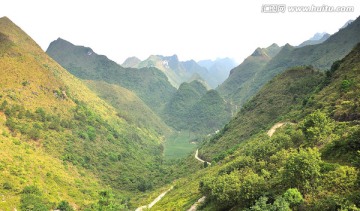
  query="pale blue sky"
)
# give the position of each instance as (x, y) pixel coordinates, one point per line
(192, 29)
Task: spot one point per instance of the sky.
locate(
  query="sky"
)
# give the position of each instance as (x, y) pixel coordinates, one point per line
(192, 29)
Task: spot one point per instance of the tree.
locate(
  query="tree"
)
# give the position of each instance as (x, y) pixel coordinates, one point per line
(261, 205)
(223, 189)
(32, 200)
(316, 127)
(65, 206)
(342, 180)
(302, 170)
(107, 202)
(251, 188)
(293, 197)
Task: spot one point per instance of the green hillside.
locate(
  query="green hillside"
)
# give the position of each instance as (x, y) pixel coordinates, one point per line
(236, 83)
(129, 106)
(60, 143)
(286, 91)
(320, 56)
(150, 84)
(193, 108)
(312, 164)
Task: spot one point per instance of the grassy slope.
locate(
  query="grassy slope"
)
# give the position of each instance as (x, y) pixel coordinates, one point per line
(150, 84)
(129, 106)
(73, 127)
(235, 85)
(284, 92)
(338, 184)
(179, 145)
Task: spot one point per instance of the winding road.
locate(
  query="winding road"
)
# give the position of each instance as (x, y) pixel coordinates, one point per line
(276, 126)
(155, 200)
(199, 159)
(202, 199)
(270, 133)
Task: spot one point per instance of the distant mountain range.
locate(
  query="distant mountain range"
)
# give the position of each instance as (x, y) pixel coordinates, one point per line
(81, 132)
(110, 81)
(218, 70)
(149, 83)
(211, 72)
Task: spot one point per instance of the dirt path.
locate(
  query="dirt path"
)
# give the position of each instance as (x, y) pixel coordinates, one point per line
(155, 200)
(202, 199)
(199, 159)
(276, 126)
(194, 206)
(270, 133)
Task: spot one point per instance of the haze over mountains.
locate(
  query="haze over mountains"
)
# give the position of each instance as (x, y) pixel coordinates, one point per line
(212, 73)
(80, 132)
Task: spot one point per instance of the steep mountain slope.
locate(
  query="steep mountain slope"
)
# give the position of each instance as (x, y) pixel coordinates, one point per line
(66, 143)
(316, 39)
(320, 56)
(150, 84)
(174, 72)
(284, 92)
(195, 109)
(310, 165)
(131, 62)
(235, 84)
(129, 106)
(177, 109)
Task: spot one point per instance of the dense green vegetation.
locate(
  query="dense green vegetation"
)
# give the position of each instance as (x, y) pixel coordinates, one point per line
(149, 83)
(195, 109)
(66, 147)
(285, 92)
(61, 138)
(129, 106)
(233, 85)
(320, 56)
(310, 165)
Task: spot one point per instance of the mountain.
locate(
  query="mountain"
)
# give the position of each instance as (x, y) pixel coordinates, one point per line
(195, 109)
(311, 162)
(131, 62)
(149, 83)
(275, 99)
(347, 23)
(252, 65)
(320, 56)
(61, 145)
(316, 39)
(176, 71)
(129, 106)
(218, 70)
(212, 72)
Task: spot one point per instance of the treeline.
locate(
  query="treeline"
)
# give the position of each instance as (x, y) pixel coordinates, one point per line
(288, 171)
